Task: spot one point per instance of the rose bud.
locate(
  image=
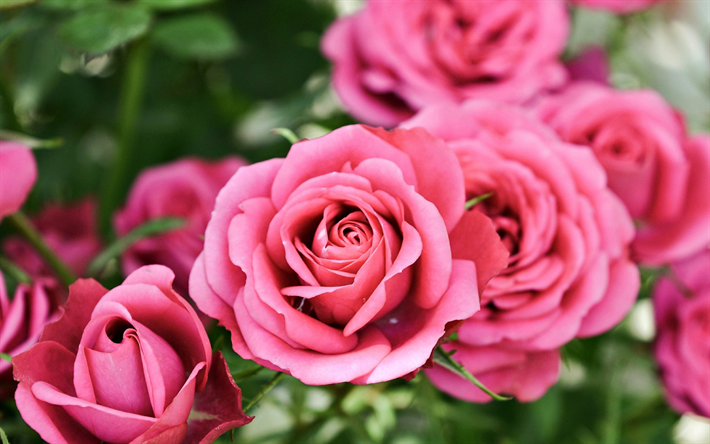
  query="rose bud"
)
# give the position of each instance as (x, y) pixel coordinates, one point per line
(18, 172)
(22, 320)
(661, 174)
(334, 263)
(617, 6)
(682, 310)
(132, 364)
(395, 57)
(568, 275)
(186, 188)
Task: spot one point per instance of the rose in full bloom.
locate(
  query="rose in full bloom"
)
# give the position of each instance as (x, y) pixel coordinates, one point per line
(186, 188)
(682, 346)
(334, 263)
(21, 321)
(132, 364)
(568, 275)
(660, 173)
(617, 6)
(70, 230)
(395, 57)
(18, 172)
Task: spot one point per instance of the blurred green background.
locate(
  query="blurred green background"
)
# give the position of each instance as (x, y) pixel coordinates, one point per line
(127, 85)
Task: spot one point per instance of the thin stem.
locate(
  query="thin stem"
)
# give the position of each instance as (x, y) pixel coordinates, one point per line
(25, 227)
(264, 390)
(443, 358)
(128, 113)
(13, 270)
(286, 134)
(244, 374)
(8, 105)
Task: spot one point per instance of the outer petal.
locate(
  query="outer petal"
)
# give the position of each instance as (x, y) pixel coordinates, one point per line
(18, 172)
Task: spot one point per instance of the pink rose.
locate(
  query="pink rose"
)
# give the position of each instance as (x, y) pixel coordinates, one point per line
(395, 57)
(132, 364)
(334, 264)
(18, 172)
(591, 64)
(21, 321)
(186, 188)
(682, 346)
(660, 174)
(617, 6)
(69, 230)
(568, 274)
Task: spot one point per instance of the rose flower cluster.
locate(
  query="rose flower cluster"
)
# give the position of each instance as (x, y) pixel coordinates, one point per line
(501, 214)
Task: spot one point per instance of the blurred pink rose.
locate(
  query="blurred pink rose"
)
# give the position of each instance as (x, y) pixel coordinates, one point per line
(21, 322)
(395, 57)
(70, 230)
(660, 174)
(18, 172)
(127, 365)
(591, 64)
(682, 311)
(617, 6)
(569, 274)
(334, 264)
(186, 188)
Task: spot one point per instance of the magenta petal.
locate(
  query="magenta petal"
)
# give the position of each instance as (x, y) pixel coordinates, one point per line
(18, 172)
(218, 408)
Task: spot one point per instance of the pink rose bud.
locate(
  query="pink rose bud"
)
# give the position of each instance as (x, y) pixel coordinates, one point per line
(132, 364)
(660, 174)
(69, 230)
(591, 64)
(22, 320)
(395, 57)
(568, 274)
(186, 188)
(682, 347)
(334, 263)
(18, 172)
(617, 6)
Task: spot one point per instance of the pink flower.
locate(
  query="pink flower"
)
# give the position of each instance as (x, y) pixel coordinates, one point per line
(334, 264)
(70, 231)
(617, 6)
(395, 57)
(133, 364)
(591, 64)
(682, 311)
(660, 174)
(18, 172)
(568, 274)
(22, 320)
(186, 188)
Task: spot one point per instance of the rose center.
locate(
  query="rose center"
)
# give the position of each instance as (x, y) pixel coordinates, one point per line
(116, 329)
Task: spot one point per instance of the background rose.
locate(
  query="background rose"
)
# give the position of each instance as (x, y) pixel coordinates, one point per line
(334, 265)
(682, 311)
(618, 6)
(18, 173)
(21, 321)
(127, 365)
(568, 274)
(660, 174)
(186, 188)
(394, 57)
(70, 230)
(591, 64)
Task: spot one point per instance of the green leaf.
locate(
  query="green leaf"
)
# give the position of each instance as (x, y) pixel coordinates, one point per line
(3, 437)
(173, 4)
(103, 28)
(153, 227)
(444, 359)
(197, 36)
(5, 357)
(71, 4)
(7, 4)
(476, 200)
(286, 134)
(13, 270)
(31, 141)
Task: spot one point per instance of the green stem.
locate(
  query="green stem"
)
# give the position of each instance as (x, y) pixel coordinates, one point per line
(128, 113)
(25, 227)
(13, 270)
(286, 134)
(443, 358)
(264, 390)
(244, 374)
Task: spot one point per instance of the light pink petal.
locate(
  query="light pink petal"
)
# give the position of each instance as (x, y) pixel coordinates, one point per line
(18, 172)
